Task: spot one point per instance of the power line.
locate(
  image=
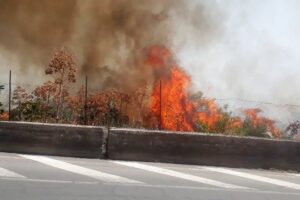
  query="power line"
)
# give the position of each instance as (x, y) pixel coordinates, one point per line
(256, 101)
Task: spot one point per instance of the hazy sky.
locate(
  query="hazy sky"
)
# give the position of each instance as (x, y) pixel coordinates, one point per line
(254, 55)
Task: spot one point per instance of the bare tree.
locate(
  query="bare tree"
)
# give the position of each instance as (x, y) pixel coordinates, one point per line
(293, 129)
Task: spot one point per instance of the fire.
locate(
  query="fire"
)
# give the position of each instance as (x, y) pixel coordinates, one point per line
(177, 110)
(235, 123)
(256, 120)
(210, 115)
(252, 115)
(159, 57)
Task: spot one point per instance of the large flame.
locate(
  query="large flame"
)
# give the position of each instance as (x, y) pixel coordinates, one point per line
(176, 109)
(170, 101)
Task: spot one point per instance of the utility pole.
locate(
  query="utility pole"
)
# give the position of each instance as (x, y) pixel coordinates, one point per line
(160, 103)
(9, 97)
(85, 101)
(106, 132)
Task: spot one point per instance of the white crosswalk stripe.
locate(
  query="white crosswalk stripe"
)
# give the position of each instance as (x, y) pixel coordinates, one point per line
(179, 175)
(254, 177)
(10, 174)
(296, 175)
(105, 177)
(111, 178)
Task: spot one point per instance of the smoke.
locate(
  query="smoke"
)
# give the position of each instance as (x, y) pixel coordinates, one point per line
(254, 58)
(232, 49)
(109, 38)
(30, 30)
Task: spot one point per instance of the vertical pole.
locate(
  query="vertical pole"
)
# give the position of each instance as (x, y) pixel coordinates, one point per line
(160, 102)
(9, 97)
(85, 101)
(105, 153)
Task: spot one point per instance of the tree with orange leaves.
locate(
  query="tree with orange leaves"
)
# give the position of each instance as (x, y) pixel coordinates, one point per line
(125, 101)
(63, 69)
(20, 96)
(113, 107)
(107, 106)
(75, 104)
(3, 115)
(97, 107)
(43, 95)
(45, 91)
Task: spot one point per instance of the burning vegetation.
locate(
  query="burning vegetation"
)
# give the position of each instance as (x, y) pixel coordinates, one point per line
(167, 102)
(178, 109)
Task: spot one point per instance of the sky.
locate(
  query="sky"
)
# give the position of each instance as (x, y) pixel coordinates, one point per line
(254, 57)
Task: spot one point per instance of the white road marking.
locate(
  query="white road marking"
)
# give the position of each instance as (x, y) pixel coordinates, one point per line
(148, 186)
(179, 175)
(80, 170)
(8, 173)
(205, 189)
(295, 174)
(52, 181)
(255, 177)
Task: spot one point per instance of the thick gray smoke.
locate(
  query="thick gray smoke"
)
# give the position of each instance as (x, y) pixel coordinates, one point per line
(109, 38)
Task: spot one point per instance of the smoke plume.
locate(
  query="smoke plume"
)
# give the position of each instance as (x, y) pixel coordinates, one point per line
(108, 38)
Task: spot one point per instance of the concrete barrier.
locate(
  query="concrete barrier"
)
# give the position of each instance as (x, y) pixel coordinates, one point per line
(203, 149)
(146, 145)
(51, 139)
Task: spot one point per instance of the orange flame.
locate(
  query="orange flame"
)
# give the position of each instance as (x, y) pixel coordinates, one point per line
(176, 107)
(178, 112)
(251, 113)
(210, 114)
(256, 120)
(170, 101)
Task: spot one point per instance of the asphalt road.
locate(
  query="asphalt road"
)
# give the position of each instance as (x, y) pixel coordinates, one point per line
(32, 177)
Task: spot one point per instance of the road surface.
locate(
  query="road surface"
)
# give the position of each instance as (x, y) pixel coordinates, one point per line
(33, 177)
